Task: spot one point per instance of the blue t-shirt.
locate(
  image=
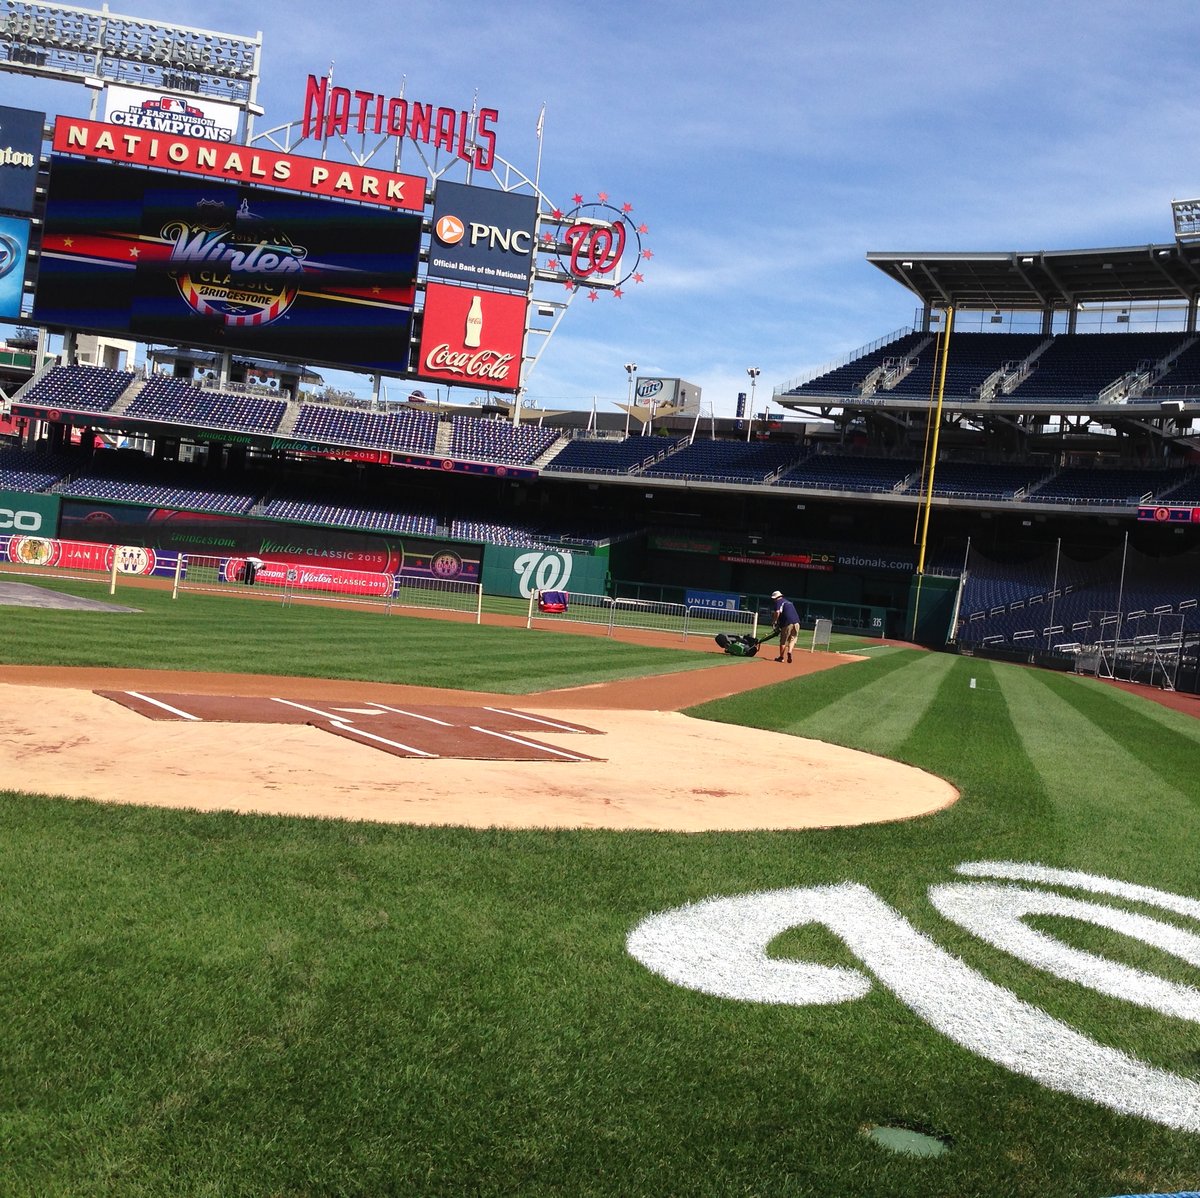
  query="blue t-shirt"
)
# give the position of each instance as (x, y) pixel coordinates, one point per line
(785, 612)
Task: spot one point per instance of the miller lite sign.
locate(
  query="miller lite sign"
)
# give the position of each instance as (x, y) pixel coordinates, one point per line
(472, 337)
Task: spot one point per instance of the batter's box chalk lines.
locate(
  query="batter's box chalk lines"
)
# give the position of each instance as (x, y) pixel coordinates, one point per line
(413, 715)
(530, 744)
(183, 715)
(351, 730)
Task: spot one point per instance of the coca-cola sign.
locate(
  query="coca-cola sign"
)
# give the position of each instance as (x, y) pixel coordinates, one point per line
(472, 337)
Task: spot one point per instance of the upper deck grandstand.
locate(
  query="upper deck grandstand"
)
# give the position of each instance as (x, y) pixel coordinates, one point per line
(1064, 400)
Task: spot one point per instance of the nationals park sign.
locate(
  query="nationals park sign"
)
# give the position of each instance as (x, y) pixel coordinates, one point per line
(103, 142)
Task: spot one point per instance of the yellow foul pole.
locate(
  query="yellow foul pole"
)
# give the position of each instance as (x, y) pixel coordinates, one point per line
(937, 428)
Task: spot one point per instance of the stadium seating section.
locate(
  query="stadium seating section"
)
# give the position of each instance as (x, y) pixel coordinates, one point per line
(79, 388)
(1037, 603)
(130, 477)
(603, 456)
(1021, 368)
(1054, 601)
(31, 471)
(401, 432)
(178, 401)
(476, 439)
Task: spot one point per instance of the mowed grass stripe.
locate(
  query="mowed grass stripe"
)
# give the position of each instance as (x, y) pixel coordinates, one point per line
(1114, 800)
(879, 715)
(785, 707)
(966, 734)
(228, 634)
(1165, 741)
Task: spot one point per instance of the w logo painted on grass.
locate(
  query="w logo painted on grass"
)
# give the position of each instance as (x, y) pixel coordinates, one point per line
(718, 947)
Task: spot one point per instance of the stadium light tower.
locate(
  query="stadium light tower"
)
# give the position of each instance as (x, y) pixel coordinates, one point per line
(753, 372)
(630, 370)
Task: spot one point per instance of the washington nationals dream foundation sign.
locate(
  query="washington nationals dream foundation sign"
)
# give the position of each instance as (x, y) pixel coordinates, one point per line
(719, 947)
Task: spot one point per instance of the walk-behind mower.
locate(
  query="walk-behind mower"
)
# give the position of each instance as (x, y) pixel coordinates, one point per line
(744, 645)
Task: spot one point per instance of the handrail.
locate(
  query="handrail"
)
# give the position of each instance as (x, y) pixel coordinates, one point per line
(837, 364)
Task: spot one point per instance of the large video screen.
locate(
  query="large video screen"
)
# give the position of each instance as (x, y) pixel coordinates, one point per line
(173, 258)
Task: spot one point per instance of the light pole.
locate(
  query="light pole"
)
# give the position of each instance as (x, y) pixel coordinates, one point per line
(753, 372)
(630, 370)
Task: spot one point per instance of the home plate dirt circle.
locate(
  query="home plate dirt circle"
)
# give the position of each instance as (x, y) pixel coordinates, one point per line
(617, 756)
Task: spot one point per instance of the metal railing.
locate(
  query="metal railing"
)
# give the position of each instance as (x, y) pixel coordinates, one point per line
(646, 615)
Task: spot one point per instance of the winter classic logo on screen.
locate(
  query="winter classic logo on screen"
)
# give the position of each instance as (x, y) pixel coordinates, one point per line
(233, 266)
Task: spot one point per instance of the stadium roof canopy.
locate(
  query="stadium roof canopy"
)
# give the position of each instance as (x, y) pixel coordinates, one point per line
(1048, 279)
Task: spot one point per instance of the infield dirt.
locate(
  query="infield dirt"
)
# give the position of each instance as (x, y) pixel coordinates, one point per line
(656, 768)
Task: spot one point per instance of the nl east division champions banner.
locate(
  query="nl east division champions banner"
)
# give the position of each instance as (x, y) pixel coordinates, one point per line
(472, 336)
(197, 261)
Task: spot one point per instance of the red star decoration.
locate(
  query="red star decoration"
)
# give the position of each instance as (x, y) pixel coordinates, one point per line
(569, 284)
(557, 214)
(578, 199)
(593, 296)
(603, 196)
(637, 278)
(618, 292)
(643, 229)
(626, 207)
(552, 264)
(647, 253)
(548, 238)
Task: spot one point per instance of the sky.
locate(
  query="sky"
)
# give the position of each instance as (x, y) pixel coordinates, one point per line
(767, 149)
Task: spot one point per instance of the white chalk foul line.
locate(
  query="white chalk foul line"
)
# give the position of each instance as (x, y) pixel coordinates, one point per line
(326, 715)
(416, 715)
(529, 744)
(533, 719)
(351, 730)
(183, 715)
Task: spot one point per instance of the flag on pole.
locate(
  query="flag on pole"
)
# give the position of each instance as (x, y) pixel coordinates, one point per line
(541, 122)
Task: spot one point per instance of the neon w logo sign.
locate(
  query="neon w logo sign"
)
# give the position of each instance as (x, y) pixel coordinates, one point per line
(719, 947)
(595, 249)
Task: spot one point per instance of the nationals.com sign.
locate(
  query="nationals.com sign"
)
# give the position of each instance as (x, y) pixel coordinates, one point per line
(472, 337)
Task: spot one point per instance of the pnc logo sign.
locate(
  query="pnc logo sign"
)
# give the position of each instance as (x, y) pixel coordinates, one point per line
(449, 230)
(21, 521)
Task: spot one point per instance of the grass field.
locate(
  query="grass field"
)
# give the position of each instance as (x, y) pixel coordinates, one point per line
(229, 1005)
